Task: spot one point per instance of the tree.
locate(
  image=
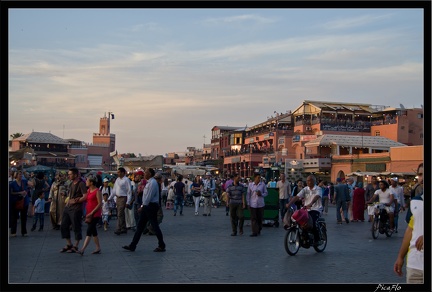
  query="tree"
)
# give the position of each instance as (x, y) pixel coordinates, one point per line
(16, 135)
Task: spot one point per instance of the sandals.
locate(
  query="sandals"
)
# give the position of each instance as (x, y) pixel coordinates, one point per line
(96, 252)
(80, 252)
(73, 249)
(66, 248)
(159, 249)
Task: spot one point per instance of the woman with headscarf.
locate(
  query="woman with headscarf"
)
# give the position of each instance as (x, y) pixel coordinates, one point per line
(359, 200)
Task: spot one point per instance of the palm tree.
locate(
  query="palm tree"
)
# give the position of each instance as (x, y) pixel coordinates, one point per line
(16, 135)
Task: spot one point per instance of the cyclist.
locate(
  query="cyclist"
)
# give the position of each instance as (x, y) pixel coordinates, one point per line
(312, 195)
(385, 197)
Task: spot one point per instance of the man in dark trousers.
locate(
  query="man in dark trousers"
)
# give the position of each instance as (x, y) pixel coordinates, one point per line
(341, 194)
(148, 212)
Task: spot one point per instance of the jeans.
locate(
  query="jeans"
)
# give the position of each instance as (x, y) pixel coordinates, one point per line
(339, 205)
(325, 202)
(41, 218)
(178, 202)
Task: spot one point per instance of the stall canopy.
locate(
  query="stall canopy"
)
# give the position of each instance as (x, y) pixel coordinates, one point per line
(38, 168)
(361, 173)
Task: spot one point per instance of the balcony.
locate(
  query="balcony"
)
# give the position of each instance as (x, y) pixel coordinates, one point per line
(317, 164)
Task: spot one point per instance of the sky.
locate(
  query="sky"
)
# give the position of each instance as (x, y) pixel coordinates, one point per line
(170, 75)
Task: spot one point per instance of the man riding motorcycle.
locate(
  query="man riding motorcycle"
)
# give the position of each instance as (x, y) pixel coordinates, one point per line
(386, 197)
(312, 195)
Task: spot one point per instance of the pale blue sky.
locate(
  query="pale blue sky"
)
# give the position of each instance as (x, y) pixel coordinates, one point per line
(170, 75)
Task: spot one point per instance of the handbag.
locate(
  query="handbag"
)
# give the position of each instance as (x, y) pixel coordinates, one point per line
(19, 205)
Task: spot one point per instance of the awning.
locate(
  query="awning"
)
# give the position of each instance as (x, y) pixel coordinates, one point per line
(403, 174)
(38, 168)
(361, 173)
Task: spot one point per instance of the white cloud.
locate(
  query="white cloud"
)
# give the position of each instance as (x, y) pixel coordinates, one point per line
(352, 22)
(240, 19)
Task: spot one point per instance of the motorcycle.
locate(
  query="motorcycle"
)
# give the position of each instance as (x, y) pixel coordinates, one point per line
(381, 223)
(300, 234)
(189, 201)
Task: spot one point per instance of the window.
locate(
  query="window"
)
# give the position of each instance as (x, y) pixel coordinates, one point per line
(420, 116)
(377, 133)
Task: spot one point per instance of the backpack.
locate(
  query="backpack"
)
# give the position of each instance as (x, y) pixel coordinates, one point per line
(109, 190)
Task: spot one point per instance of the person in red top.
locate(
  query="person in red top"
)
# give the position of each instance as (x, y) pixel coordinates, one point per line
(93, 213)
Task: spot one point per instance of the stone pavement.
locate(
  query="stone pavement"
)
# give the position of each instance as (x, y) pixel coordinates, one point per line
(200, 250)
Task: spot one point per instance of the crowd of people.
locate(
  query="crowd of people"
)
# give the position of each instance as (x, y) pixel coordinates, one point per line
(138, 202)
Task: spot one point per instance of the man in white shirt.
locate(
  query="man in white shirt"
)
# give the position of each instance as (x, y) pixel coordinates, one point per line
(284, 192)
(312, 195)
(398, 195)
(123, 192)
(209, 185)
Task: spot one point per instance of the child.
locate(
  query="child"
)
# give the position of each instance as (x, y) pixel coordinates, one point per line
(106, 212)
(39, 211)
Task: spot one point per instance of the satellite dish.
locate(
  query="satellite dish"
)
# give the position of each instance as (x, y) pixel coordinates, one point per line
(401, 106)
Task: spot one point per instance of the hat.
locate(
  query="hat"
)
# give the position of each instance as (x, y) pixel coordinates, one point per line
(394, 179)
(208, 173)
(105, 180)
(139, 173)
(158, 175)
(99, 172)
(339, 179)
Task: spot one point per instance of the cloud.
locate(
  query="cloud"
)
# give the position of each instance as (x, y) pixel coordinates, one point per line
(240, 19)
(352, 22)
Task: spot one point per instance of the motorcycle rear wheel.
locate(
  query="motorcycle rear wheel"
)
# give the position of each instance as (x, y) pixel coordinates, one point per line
(375, 228)
(292, 241)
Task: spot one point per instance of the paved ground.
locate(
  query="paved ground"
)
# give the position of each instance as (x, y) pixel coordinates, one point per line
(200, 250)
